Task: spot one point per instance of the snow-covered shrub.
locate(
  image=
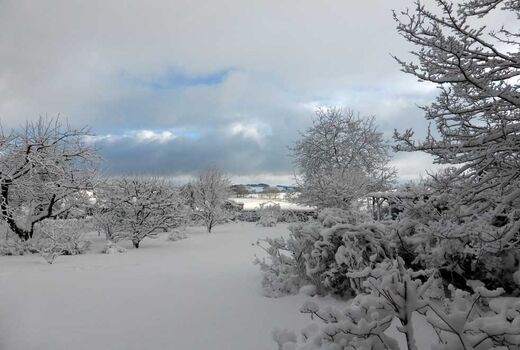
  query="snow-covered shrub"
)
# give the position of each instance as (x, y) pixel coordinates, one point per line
(322, 256)
(112, 248)
(436, 230)
(293, 216)
(283, 338)
(13, 245)
(464, 320)
(388, 293)
(284, 267)
(61, 237)
(361, 246)
(269, 214)
(248, 216)
(332, 216)
(177, 235)
(476, 320)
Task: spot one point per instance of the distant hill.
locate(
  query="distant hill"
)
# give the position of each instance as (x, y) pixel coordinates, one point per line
(260, 187)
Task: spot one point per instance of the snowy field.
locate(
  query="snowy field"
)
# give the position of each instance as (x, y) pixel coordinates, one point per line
(254, 203)
(199, 293)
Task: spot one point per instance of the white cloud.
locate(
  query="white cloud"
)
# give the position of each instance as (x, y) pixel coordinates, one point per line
(414, 166)
(253, 131)
(152, 136)
(140, 136)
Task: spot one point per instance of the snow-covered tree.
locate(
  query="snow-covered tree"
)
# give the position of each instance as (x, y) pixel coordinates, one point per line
(477, 113)
(108, 214)
(473, 207)
(142, 207)
(210, 191)
(45, 170)
(341, 157)
(239, 190)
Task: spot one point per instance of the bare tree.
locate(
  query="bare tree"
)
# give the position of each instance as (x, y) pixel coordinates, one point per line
(108, 214)
(239, 190)
(142, 207)
(45, 169)
(271, 192)
(339, 158)
(211, 191)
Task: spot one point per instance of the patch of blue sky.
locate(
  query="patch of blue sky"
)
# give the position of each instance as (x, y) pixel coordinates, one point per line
(174, 78)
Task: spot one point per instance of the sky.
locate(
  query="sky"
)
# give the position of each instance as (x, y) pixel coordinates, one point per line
(172, 87)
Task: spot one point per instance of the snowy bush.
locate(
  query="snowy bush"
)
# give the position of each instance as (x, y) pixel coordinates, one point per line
(61, 237)
(283, 338)
(293, 216)
(464, 320)
(177, 235)
(14, 245)
(284, 267)
(249, 216)
(112, 248)
(332, 216)
(269, 214)
(435, 230)
(321, 255)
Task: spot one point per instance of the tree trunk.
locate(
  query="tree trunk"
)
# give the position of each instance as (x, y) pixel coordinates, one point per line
(24, 235)
(136, 244)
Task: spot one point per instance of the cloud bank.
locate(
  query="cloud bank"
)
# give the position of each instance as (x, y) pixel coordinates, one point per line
(171, 87)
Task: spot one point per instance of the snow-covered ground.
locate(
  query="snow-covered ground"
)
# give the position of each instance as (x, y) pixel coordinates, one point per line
(199, 293)
(254, 203)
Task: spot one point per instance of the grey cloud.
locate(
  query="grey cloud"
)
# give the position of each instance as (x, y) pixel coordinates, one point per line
(280, 58)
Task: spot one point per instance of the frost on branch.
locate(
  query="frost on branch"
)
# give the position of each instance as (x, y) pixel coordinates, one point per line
(46, 169)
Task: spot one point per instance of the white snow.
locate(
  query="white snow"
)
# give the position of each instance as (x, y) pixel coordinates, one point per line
(198, 293)
(202, 292)
(254, 203)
